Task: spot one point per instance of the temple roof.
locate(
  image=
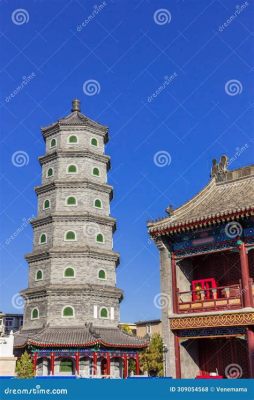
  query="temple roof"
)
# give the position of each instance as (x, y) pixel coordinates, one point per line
(75, 118)
(86, 336)
(229, 195)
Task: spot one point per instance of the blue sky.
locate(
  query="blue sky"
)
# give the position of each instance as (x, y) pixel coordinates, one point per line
(131, 49)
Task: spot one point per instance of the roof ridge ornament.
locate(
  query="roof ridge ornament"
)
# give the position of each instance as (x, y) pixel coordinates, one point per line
(219, 170)
(75, 105)
(170, 210)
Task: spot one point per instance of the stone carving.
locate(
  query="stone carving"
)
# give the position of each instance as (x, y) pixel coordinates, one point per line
(219, 169)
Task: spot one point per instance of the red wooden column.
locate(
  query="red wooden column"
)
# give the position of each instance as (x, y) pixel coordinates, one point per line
(77, 363)
(125, 366)
(108, 363)
(177, 357)
(174, 284)
(52, 363)
(250, 341)
(35, 356)
(245, 275)
(94, 363)
(137, 364)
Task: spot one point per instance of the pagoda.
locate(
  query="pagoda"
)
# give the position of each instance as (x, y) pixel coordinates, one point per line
(71, 313)
(206, 251)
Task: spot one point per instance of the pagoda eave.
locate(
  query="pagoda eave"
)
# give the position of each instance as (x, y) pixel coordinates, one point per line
(75, 153)
(71, 217)
(108, 255)
(86, 184)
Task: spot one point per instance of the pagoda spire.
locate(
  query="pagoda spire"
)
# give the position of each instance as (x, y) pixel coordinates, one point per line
(75, 105)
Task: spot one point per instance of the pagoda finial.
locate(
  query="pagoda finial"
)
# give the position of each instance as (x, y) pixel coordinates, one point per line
(75, 105)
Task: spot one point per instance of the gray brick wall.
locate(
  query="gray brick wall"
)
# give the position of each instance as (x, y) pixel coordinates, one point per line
(84, 141)
(41, 304)
(86, 271)
(45, 267)
(84, 169)
(85, 201)
(86, 233)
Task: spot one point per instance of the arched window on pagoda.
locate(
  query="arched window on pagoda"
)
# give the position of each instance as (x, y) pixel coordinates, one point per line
(100, 238)
(35, 313)
(39, 275)
(69, 272)
(97, 203)
(103, 312)
(102, 274)
(71, 201)
(73, 139)
(50, 172)
(46, 204)
(53, 143)
(43, 238)
(68, 312)
(94, 142)
(96, 171)
(70, 235)
(72, 169)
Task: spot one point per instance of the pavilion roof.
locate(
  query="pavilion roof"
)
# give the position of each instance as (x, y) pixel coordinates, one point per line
(75, 118)
(228, 196)
(86, 336)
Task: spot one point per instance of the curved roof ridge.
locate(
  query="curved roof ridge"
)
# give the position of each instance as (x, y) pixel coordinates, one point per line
(228, 193)
(187, 205)
(195, 200)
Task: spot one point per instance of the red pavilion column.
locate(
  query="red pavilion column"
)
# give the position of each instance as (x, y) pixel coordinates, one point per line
(94, 363)
(174, 283)
(35, 356)
(125, 366)
(77, 363)
(177, 357)
(108, 364)
(250, 341)
(52, 363)
(137, 364)
(245, 275)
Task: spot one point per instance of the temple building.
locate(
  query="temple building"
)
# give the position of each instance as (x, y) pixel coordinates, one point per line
(71, 313)
(206, 251)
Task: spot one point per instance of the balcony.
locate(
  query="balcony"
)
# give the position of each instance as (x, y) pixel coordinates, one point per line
(219, 298)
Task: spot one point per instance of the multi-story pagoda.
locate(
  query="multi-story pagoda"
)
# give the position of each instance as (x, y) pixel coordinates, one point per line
(71, 311)
(207, 267)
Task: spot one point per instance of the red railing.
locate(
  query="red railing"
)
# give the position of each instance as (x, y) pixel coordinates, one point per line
(223, 297)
